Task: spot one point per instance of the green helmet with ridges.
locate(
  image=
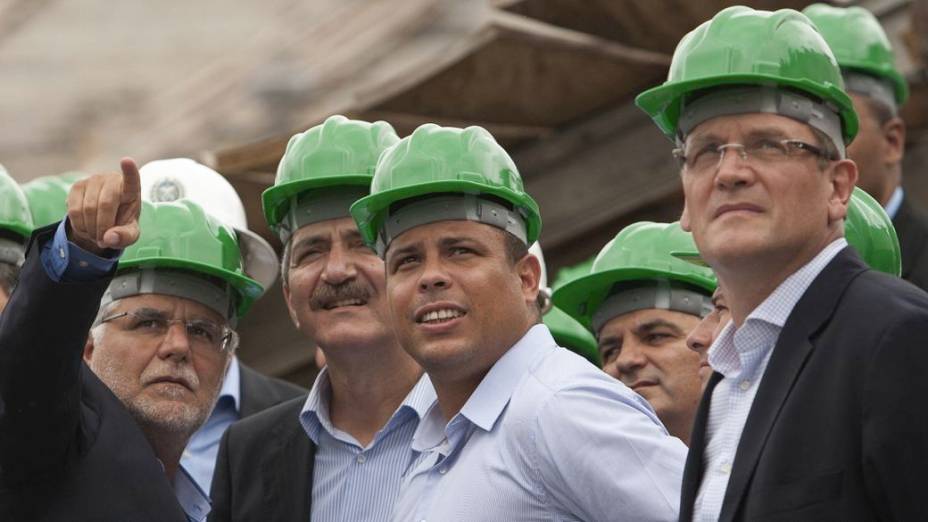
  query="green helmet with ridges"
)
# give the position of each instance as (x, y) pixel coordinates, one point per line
(467, 166)
(869, 230)
(324, 169)
(641, 253)
(859, 44)
(15, 217)
(741, 47)
(48, 197)
(570, 334)
(180, 237)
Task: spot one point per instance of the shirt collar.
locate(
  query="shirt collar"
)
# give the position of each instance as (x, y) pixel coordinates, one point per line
(192, 499)
(493, 393)
(895, 201)
(725, 356)
(232, 384)
(315, 413)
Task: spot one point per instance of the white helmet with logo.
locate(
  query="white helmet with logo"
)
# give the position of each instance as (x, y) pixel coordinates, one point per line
(173, 179)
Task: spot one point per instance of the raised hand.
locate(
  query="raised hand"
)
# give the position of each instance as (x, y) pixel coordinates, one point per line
(103, 209)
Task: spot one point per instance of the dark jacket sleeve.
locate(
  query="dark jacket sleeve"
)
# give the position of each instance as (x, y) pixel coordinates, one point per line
(895, 430)
(221, 490)
(43, 330)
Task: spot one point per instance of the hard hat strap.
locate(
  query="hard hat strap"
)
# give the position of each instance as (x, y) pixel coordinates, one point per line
(318, 205)
(870, 86)
(750, 99)
(12, 252)
(450, 207)
(661, 294)
(174, 283)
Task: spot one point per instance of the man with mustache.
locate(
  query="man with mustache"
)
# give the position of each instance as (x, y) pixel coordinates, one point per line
(641, 302)
(521, 428)
(815, 410)
(98, 397)
(15, 227)
(339, 453)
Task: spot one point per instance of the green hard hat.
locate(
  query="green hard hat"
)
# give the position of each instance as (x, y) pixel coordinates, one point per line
(569, 273)
(14, 207)
(741, 46)
(642, 251)
(339, 153)
(870, 231)
(181, 236)
(859, 43)
(48, 197)
(435, 161)
(572, 335)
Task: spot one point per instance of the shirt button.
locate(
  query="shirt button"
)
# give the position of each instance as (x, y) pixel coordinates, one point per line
(745, 384)
(361, 459)
(725, 468)
(443, 470)
(61, 253)
(83, 264)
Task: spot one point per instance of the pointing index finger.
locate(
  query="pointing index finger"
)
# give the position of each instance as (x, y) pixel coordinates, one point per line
(131, 184)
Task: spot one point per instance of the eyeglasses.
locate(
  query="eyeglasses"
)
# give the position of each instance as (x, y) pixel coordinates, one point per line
(204, 335)
(762, 151)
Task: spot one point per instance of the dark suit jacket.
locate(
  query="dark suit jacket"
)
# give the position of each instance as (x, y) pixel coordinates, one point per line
(259, 392)
(838, 429)
(911, 224)
(69, 450)
(265, 468)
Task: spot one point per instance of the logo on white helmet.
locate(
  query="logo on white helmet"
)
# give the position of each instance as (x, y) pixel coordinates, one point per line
(166, 190)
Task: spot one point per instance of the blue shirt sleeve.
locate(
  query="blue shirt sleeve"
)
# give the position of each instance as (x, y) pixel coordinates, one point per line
(65, 262)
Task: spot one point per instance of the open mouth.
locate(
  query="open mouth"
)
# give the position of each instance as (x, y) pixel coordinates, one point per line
(342, 303)
(439, 316)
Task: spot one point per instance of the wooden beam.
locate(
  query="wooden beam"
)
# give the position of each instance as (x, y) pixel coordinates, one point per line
(521, 27)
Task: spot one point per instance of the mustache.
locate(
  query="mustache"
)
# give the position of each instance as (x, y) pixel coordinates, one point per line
(178, 372)
(325, 294)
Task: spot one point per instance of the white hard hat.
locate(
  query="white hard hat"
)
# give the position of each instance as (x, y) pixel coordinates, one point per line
(535, 250)
(173, 179)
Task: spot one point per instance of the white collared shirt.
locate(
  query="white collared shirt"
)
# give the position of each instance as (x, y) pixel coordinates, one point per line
(546, 436)
(741, 356)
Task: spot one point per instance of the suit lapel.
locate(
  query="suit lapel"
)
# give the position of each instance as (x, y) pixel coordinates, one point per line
(692, 473)
(792, 349)
(912, 236)
(288, 473)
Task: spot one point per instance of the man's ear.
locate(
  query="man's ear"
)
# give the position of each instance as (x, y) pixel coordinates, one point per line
(529, 270)
(293, 317)
(685, 218)
(894, 140)
(843, 178)
(88, 349)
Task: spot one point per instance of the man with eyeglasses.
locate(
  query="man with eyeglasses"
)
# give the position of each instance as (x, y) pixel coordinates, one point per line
(815, 410)
(106, 368)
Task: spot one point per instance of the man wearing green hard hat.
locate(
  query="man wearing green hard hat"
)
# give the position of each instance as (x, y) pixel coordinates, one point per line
(814, 410)
(112, 354)
(339, 453)
(641, 302)
(521, 429)
(868, 66)
(15, 227)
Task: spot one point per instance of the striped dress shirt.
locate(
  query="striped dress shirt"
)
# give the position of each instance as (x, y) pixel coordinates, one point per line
(741, 356)
(356, 483)
(546, 436)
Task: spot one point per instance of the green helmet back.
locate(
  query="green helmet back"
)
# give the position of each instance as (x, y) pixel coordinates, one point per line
(180, 237)
(15, 217)
(447, 161)
(741, 46)
(870, 231)
(572, 335)
(323, 171)
(641, 252)
(48, 197)
(859, 44)
(569, 273)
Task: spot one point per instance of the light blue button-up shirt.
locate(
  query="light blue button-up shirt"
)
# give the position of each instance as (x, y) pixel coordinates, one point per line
(545, 437)
(356, 483)
(895, 201)
(199, 456)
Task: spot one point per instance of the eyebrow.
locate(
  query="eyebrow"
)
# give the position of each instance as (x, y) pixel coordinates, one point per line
(762, 132)
(654, 324)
